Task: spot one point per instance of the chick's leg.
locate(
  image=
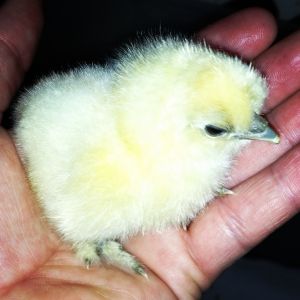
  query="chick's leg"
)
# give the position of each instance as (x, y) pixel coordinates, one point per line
(113, 253)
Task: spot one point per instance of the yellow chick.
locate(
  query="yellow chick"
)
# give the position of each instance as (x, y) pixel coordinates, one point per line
(138, 146)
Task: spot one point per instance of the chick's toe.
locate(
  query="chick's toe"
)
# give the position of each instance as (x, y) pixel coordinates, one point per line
(112, 252)
(87, 252)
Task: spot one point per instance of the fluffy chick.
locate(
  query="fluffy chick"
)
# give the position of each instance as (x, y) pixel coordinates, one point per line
(138, 146)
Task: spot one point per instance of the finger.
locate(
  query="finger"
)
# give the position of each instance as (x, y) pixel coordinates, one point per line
(25, 241)
(232, 225)
(281, 66)
(239, 34)
(285, 118)
(20, 24)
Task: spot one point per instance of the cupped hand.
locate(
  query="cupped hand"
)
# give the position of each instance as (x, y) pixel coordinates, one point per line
(35, 264)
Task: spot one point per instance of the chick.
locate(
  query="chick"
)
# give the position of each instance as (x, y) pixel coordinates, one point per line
(137, 146)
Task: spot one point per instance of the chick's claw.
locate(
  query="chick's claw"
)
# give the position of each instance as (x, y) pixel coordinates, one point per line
(184, 227)
(223, 191)
(112, 252)
(139, 269)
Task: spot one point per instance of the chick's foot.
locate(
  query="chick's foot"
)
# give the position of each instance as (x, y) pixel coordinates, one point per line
(113, 253)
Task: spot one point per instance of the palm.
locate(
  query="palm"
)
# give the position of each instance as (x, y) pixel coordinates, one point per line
(180, 263)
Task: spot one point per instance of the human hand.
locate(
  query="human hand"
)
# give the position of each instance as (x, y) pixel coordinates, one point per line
(36, 265)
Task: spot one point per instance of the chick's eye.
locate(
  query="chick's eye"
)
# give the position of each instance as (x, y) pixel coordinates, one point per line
(213, 130)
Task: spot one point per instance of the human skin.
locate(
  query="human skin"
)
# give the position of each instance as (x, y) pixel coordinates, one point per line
(35, 264)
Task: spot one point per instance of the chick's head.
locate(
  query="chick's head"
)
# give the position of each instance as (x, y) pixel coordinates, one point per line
(224, 100)
(211, 97)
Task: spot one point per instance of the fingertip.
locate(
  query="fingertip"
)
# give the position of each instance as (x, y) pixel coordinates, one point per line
(20, 25)
(281, 67)
(246, 33)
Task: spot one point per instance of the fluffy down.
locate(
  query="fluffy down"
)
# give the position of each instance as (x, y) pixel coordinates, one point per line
(114, 151)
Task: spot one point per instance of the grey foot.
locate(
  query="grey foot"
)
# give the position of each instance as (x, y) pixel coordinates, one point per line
(110, 252)
(113, 253)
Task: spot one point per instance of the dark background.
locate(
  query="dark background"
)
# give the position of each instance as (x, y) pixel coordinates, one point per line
(92, 30)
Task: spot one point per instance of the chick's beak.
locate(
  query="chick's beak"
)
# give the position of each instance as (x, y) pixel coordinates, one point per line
(260, 130)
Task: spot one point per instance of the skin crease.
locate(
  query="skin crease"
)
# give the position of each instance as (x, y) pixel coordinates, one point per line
(35, 265)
